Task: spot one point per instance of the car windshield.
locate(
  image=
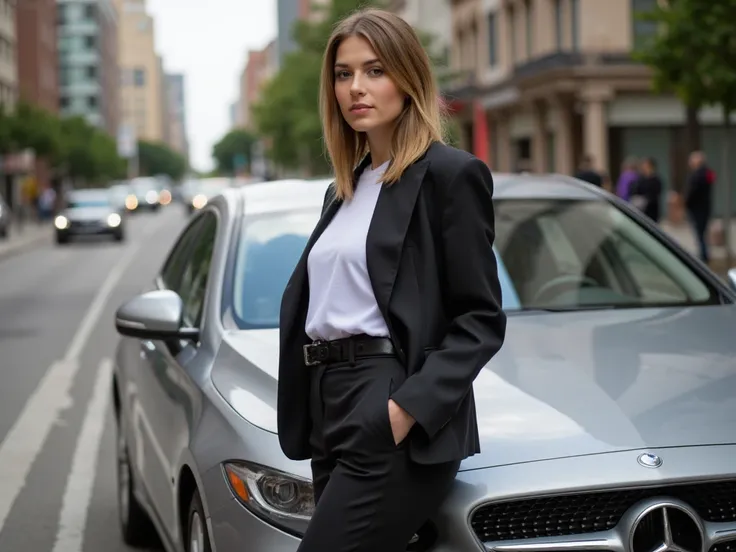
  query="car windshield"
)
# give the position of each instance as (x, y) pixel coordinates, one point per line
(553, 254)
(88, 200)
(270, 246)
(579, 254)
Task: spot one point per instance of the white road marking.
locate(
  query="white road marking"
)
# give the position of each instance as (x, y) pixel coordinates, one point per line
(25, 440)
(79, 483)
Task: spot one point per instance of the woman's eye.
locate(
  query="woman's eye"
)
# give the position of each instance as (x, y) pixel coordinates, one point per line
(375, 72)
(342, 74)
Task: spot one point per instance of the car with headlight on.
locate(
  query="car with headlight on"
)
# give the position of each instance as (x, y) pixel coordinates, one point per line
(607, 421)
(89, 212)
(147, 192)
(199, 192)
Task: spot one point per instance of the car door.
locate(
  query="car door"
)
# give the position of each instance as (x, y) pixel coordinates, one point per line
(167, 392)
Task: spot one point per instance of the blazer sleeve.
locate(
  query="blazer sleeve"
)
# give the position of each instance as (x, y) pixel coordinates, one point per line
(472, 294)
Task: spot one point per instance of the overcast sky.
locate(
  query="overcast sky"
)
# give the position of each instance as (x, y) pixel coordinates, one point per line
(207, 40)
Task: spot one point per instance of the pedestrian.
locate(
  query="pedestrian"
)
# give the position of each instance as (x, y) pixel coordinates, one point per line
(586, 171)
(629, 175)
(395, 305)
(646, 193)
(698, 199)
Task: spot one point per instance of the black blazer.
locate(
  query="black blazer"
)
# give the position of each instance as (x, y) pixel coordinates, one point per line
(433, 271)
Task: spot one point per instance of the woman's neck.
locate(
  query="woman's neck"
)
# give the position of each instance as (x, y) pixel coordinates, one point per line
(380, 148)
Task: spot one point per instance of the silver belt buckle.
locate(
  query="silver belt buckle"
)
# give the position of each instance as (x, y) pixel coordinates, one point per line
(305, 350)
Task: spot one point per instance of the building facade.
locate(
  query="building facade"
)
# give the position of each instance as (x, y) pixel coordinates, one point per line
(288, 13)
(432, 17)
(88, 61)
(142, 86)
(177, 134)
(540, 83)
(260, 66)
(37, 54)
(8, 55)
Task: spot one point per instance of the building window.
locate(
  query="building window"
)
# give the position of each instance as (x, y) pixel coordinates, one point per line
(529, 28)
(90, 11)
(575, 24)
(89, 42)
(492, 40)
(92, 72)
(642, 30)
(139, 78)
(559, 28)
(64, 102)
(92, 102)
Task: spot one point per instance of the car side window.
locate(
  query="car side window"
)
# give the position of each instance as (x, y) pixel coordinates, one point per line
(173, 270)
(193, 283)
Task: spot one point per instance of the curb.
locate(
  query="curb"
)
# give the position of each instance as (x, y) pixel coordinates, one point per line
(10, 249)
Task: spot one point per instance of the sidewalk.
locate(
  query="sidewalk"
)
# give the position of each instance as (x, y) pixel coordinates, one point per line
(20, 239)
(684, 235)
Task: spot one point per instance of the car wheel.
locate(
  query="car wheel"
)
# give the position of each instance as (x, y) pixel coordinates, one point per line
(198, 539)
(61, 240)
(135, 524)
(119, 237)
(3, 232)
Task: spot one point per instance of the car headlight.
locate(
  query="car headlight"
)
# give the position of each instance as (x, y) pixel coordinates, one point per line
(131, 202)
(279, 498)
(61, 222)
(114, 220)
(151, 197)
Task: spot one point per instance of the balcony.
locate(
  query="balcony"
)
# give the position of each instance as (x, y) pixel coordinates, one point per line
(458, 84)
(570, 60)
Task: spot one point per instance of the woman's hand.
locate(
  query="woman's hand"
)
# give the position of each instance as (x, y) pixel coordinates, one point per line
(401, 421)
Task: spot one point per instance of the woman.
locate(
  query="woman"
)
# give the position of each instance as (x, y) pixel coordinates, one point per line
(646, 192)
(395, 305)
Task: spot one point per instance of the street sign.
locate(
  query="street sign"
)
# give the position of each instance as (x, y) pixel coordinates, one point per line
(127, 143)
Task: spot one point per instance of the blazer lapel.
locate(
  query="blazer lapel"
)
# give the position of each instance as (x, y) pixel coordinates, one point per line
(388, 228)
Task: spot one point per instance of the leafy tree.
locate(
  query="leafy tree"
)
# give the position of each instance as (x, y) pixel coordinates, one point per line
(694, 55)
(234, 146)
(88, 155)
(673, 53)
(35, 129)
(155, 158)
(288, 113)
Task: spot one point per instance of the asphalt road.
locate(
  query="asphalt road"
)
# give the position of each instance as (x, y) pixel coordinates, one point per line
(57, 460)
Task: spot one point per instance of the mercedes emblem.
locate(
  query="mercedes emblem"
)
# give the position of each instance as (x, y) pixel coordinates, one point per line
(649, 460)
(667, 527)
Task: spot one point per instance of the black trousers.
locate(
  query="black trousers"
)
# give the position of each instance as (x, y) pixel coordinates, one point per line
(369, 495)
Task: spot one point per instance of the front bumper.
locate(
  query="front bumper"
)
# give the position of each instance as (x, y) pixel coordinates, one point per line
(89, 229)
(233, 525)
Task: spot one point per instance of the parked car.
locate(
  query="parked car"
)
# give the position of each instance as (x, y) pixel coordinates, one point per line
(607, 421)
(89, 212)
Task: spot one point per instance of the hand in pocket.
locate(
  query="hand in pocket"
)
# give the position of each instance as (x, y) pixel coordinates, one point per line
(400, 420)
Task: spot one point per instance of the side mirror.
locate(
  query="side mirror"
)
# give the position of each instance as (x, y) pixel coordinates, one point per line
(155, 315)
(731, 278)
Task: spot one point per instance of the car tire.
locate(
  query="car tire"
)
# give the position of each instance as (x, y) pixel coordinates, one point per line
(3, 233)
(61, 240)
(198, 538)
(135, 525)
(119, 237)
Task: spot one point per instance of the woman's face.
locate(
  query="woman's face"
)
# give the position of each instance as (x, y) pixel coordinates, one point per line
(369, 100)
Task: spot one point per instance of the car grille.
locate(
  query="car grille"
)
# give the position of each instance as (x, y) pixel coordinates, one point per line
(575, 514)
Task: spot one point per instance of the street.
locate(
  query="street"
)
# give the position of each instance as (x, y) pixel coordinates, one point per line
(57, 341)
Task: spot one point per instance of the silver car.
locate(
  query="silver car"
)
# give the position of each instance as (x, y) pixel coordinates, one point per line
(89, 212)
(608, 420)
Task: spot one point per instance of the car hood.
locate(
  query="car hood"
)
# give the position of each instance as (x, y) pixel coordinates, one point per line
(564, 384)
(88, 213)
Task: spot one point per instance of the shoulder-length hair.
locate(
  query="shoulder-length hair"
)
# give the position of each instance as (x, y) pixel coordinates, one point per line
(407, 64)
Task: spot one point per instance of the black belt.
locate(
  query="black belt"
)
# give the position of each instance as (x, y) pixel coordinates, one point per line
(346, 349)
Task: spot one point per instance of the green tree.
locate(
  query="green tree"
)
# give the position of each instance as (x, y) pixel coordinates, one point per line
(694, 55)
(35, 129)
(88, 155)
(673, 52)
(156, 158)
(232, 149)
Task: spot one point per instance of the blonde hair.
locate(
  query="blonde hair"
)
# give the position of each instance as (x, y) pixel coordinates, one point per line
(407, 64)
